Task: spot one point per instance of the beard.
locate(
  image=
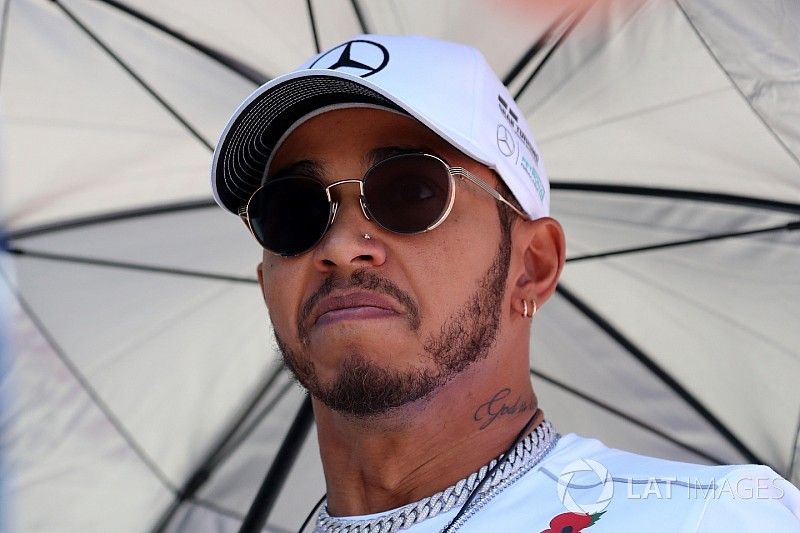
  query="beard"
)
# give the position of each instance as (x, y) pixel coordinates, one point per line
(364, 388)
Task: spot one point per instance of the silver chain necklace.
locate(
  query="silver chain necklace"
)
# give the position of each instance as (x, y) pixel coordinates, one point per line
(520, 460)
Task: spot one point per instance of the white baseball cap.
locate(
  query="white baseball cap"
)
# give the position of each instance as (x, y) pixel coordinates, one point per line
(448, 87)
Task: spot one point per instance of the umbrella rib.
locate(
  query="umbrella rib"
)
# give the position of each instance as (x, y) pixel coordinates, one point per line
(535, 106)
(660, 373)
(535, 48)
(216, 508)
(790, 472)
(233, 437)
(211, 506)
(246, 432)
(313, 22)
(566, 33)
(362, 22)
(278, 471)
(129, 266)
(142, 83)
(758, 115)
(791, 226)
(93, 395)
(108, 217)
(3, 32)
(219, 451)
(247, 72)
(681, 194)
(635, 421)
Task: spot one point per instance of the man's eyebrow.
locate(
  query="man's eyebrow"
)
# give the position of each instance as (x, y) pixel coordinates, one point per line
(377, 155)
(304, 167)
(314, 169)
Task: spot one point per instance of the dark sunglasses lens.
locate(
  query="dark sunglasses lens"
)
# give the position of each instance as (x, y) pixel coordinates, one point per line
(289, 215)
(407, 194)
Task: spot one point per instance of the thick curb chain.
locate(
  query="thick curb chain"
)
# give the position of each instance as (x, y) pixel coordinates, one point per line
(520, 460)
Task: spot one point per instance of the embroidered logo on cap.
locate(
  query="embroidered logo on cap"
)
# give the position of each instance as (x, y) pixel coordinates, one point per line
(513, 121)
(359, 57)
(505, 142)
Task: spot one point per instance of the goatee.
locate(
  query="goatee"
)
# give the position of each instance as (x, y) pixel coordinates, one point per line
(364, 388)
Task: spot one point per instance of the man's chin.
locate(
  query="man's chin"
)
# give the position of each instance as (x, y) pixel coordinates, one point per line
(364, 388)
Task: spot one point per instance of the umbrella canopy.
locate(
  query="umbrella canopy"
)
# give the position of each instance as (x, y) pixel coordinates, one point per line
(143, 391)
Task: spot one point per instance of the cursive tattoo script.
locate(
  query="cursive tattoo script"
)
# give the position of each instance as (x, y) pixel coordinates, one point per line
(498, 406)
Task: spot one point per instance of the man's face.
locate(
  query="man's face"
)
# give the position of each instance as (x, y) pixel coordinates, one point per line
(372, 324)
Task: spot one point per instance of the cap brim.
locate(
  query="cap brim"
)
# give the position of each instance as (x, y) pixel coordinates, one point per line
(246, 144)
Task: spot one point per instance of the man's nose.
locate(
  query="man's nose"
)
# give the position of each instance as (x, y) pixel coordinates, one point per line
(352, 239)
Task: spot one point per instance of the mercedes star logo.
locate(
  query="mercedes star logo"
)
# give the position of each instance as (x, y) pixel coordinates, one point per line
(505, 142)
(359, 57)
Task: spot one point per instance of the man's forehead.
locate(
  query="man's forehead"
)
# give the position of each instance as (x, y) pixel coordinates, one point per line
(362, 135)
(318, 167)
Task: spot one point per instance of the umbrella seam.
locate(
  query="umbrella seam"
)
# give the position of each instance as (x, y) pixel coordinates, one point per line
(683, 194)
(533, 51)
(632, 273)
(114, 216)
(561, 38)
(660, 373)
(790, 472)
(93, 395)
(313, 22)
(362, 22)
(142, 83)
(535, 106)
(224, 448)
(235, 65)
(3, 33)
(129, 266)
(790, 226)
(736, 87)
(641, 424)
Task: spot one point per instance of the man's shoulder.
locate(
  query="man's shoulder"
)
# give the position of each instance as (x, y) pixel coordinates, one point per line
(583, 485)
(627, 489)
(629, 465)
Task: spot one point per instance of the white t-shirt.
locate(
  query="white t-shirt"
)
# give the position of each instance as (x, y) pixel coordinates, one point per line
(609, 490)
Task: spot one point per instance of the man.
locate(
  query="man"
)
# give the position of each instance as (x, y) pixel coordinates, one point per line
(403, 208)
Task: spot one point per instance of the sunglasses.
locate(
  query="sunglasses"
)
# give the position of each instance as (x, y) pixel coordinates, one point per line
(405, 194)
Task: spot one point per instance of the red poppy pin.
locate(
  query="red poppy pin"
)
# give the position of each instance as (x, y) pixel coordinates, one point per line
(572, 522)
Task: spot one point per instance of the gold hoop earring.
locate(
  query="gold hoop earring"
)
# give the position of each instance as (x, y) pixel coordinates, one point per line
(525, 312)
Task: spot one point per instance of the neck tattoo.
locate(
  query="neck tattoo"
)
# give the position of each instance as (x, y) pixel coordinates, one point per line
(500, 405)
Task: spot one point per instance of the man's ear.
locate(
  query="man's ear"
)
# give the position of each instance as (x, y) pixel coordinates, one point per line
(543, 249)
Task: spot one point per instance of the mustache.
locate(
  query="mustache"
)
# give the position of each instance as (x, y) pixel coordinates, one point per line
(361, 279)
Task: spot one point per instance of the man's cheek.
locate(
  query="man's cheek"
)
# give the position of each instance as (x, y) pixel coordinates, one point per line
(281, 308)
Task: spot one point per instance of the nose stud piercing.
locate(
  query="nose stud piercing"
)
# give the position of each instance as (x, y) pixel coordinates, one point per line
(367, 236)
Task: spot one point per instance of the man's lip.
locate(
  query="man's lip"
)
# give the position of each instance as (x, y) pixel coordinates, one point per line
(371, 304)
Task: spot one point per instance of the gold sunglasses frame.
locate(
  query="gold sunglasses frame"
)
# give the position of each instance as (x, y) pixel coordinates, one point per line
(452, 172)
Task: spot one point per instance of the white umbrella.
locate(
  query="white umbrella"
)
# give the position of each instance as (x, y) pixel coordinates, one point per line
(143, 390)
